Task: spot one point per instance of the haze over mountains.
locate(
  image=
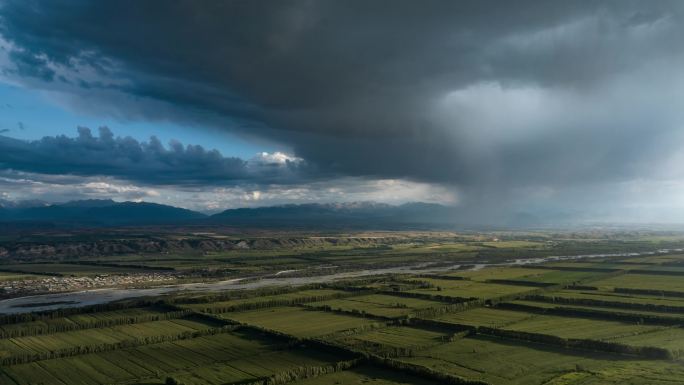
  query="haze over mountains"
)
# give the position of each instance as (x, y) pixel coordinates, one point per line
(330, 215)
(97, 212)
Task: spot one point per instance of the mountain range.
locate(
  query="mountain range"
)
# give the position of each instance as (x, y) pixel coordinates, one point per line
(96, 213)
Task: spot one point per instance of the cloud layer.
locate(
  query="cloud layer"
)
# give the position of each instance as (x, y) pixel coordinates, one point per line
(502, 100)
(149, 163)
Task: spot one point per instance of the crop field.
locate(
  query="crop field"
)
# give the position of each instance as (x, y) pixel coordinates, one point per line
(658, 259)
(299, 296)
(484, 317)
(218, 359)
(92, 337)
(670, 338)
(528, 274)
(675, 316)
(610, 265)
(514, 244)
(300, 322)
(506, 362)
(9, 276)
(643, 282)
(498, 273)
(562, 277)
(379, 305)
(676, 269)
(437, 248)
(618, 298)
(555, 323)
(84, 320)
(468, 289)
(396, 337)
(366, 375)
(576, 327)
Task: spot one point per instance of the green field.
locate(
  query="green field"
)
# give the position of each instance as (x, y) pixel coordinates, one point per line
(97, 336)
(670, 338)
(366, 375)
(643, 282)
(468, 289)
(512, 362)
(379, 305)
(300, 322)
(674, 316)
(85, 320)
(618, 298)
(403, 337)
(298, 296)
(575, 327)
(484, 317)
(219, 359)
(425, 327)
(527, 274)
(562, 277)
(498, 273)
(9, 276)
(657, 259)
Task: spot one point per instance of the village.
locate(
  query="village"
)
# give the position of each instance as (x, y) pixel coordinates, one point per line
(66, 284)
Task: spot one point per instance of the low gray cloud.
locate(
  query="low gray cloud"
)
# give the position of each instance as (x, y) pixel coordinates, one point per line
(149, 162)
(500, 99)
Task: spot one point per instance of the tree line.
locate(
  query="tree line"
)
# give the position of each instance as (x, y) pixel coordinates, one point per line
(50, 326)
(239, 294)
(104, 347)
(7, 319)
(582, 344)
(606, 303)
(661, 293)
(596, 314)
(275, 302)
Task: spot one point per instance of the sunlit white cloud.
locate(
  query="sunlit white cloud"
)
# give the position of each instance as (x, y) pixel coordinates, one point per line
(18, 186)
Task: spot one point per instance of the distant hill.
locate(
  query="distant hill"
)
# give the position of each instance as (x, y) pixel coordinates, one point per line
(354, 215)
(99, 213)
(336, 215)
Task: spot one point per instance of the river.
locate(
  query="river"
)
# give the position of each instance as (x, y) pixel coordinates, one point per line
(98, 296)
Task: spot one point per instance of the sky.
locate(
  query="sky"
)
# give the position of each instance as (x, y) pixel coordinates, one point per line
(549, 108)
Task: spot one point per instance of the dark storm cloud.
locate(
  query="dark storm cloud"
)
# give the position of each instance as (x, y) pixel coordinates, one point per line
(149, 163)
(383, 88)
